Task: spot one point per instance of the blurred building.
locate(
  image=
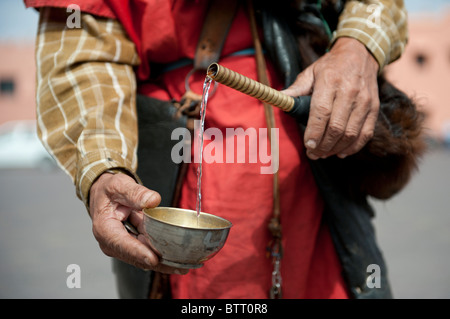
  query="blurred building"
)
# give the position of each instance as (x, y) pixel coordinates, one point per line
(17, 82)
(423, 71)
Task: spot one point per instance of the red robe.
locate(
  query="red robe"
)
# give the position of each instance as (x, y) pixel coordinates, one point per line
(166, 31)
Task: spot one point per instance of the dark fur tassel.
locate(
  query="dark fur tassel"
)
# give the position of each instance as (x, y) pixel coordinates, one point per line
(385, 165)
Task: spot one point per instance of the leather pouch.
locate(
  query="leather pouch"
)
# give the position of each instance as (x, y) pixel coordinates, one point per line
(156, 121)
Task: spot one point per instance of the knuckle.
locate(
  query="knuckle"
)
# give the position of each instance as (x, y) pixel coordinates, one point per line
(367, 136)
(335, 130)
(366, 99)
(375, 101)
(331, 76)
(367, 132)
(322, 111)
(375, 106)
(350, 135)
(353, 91)
(138, 193)
(117, 182)
(113, 186)
(369, 97)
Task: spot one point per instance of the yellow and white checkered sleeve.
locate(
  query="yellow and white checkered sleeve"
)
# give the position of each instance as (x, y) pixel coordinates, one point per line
(381, 25)
(85, 95)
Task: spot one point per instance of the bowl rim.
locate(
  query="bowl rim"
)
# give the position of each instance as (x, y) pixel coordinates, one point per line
(189, 211)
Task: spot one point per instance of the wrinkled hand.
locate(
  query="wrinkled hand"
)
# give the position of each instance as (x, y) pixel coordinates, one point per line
(344, 101)
(114, 199)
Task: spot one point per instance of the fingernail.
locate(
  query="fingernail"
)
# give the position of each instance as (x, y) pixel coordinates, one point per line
(342, 155)
(147, 261)
(149, 197)
(311, 144)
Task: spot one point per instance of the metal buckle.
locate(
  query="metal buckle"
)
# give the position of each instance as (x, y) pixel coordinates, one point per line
(187, 84)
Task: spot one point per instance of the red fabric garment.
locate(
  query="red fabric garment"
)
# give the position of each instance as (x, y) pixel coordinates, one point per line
(97, 7)
(166, 31)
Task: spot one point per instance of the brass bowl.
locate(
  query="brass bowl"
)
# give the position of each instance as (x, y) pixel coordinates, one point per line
(181, 239)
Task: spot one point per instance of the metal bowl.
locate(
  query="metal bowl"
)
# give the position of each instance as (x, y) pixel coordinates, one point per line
(182, 239)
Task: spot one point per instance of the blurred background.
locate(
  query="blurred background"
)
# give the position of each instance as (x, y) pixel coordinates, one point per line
(44, 228)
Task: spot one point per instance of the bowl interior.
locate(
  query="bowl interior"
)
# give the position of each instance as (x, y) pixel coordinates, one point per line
(187, 218)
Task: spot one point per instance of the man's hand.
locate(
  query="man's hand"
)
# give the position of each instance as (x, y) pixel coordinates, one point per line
(344, 102)
(114, 199)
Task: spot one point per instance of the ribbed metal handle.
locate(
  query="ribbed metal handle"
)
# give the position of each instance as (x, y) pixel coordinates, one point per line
(250, 87)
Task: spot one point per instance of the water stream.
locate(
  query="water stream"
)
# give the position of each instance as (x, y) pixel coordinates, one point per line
(206, 86)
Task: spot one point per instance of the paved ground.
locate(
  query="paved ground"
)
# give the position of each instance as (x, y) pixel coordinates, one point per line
(44, 228)
(413, 231)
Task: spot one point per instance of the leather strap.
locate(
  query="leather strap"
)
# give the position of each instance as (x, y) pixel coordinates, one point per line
(275, 226)
(274, 248)
(218, 20)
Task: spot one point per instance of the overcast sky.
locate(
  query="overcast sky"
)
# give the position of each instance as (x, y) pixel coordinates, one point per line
(19, 23)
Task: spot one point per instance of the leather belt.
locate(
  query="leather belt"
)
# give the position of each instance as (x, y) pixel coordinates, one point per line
(217, 23)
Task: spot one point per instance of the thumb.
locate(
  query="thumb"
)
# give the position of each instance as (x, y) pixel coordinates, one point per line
(302, 85)
(127, 192)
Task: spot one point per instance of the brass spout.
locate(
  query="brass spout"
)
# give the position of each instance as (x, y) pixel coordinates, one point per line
(250, 87)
